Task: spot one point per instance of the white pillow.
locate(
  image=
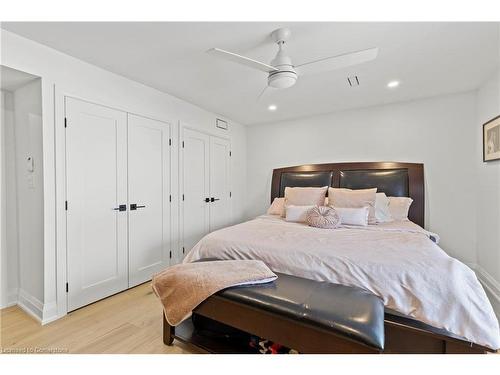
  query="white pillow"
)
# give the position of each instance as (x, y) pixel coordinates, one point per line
(347, 198)
(297, 214)
(382, 213)
(353, 216)
(399, 206)
(277, 207)
(305, 196)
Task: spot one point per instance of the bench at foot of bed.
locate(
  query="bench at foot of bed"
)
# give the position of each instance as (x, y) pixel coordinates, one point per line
(314, 317)
(306, 315)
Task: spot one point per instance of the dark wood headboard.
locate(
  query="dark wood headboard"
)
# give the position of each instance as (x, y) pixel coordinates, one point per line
(392, 178)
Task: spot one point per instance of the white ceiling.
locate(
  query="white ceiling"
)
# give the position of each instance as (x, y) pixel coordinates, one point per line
(428, 58)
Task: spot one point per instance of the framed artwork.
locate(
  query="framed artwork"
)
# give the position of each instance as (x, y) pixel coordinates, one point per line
(491, 140)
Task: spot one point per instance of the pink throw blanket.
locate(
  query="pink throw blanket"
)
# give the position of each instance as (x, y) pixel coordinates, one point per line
(184, 286)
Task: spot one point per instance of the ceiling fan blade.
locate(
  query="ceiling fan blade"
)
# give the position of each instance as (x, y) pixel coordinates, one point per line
(262, 93)
(337, 62)
(242, 60)
(266, 93)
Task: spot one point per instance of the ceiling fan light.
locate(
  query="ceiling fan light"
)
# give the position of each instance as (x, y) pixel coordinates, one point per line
(282, 80)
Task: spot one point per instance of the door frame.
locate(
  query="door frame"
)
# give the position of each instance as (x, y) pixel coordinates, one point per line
(182, 126)
(61, 276)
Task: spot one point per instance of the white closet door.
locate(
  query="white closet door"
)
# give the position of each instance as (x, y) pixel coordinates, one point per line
(220, 202)
(96, 170)
(149, 191)
(195, 187)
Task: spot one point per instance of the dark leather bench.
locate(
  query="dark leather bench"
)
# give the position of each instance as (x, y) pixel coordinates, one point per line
(306, 315)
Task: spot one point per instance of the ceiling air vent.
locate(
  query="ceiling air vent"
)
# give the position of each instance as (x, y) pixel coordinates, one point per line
(221, 124)
(353, 81)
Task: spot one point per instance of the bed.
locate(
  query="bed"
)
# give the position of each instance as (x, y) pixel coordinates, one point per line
(434, 303)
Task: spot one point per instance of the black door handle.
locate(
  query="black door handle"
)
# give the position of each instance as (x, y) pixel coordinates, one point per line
(214, 199)
(121, 207)
(135, 206)
(207, 200)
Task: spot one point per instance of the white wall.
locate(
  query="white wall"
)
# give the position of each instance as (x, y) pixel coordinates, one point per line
(22, 198)
(4, 287)
(437, 131)
(9, 247)
(64, 75)
(488, 223)
(488, 195)
(28, 142)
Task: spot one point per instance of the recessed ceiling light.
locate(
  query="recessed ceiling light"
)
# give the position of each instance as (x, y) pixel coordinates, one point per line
(272, 107)
(393, 84)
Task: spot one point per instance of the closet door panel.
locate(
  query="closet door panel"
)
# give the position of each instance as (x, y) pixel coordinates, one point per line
(195, 187)
(149, 190)
(220, 180)
(96, 170)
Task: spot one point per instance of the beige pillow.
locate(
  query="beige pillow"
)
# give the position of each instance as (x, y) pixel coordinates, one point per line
(347, 198)
(399, 207)
(277, 207)
(305, 196)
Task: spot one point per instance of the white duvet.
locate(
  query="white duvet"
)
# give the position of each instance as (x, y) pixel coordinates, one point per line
(396, 261)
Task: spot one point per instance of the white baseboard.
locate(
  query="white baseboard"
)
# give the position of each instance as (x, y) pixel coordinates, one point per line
(44, 313)
(12, 297)
(11, 300)
(471, 265)
(30, 305)
(49, 312)
(491, 286)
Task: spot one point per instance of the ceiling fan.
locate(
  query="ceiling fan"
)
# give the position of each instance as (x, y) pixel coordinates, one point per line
(282, 73)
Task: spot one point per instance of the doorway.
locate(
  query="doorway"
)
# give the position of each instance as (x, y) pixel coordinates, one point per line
(21, 192)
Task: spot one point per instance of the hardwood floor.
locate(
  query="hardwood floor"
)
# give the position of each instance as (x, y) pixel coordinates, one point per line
(129, 322)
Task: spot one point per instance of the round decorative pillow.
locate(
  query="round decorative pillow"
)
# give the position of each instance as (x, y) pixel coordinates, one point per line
(323, 217)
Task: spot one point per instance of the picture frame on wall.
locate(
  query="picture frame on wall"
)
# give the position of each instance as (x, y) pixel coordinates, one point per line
(491, 140)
